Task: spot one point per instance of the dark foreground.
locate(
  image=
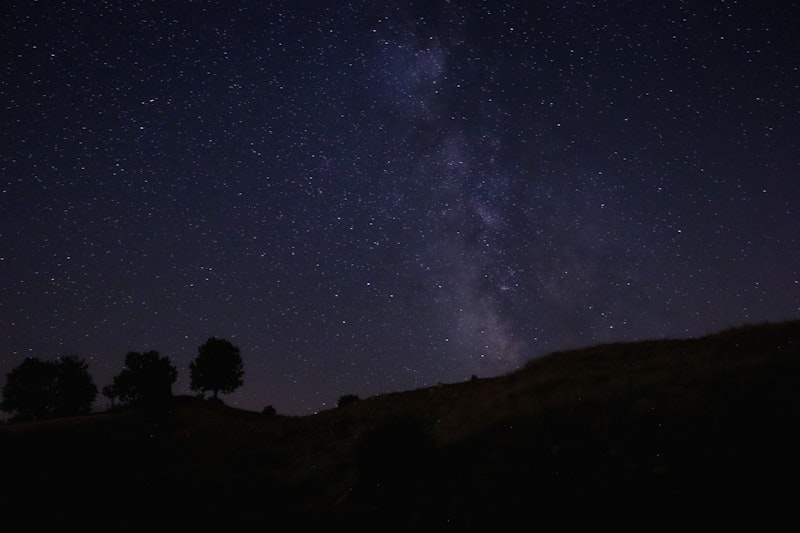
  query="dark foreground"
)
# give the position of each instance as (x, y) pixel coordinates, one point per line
(688, 433)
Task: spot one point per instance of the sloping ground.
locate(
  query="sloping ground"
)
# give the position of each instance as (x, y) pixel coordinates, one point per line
(663, 429)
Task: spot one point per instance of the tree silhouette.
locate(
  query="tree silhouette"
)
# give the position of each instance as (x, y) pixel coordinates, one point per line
(146, 379)
(217, 367)
(347, 399)
(37, 390)
(30, 390)
(110, 392)
(76, 389)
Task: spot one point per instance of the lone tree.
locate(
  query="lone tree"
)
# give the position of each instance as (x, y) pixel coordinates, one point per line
(217, 367)
(146, 379)
(38, 390)
(110, 392)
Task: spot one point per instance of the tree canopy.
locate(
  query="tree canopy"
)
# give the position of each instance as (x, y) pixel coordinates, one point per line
(217, 367)
(38, 390)
(146, 379)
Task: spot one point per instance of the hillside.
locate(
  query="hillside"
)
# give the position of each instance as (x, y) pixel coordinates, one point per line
(667, 428)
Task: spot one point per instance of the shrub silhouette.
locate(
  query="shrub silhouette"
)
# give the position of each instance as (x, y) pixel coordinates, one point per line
(217, 367)
(38, 390)
(146, 379)
(269, 411)
(347, 399)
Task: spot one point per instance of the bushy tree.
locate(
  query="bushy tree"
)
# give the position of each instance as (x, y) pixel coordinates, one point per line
(146, 379)
(37, 390)
(29, 391)
(76, 389)
(217, 367)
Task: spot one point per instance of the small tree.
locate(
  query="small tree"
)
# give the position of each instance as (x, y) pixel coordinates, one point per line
(110, 392)
(217, 367)
(347, 399)
(146, 379)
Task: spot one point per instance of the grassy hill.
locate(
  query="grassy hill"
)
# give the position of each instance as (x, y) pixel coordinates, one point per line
(671, 430)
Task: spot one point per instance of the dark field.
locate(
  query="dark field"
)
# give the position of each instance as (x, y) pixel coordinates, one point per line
(696, 433)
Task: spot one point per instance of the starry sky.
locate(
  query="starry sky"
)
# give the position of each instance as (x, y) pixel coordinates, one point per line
(369, 197)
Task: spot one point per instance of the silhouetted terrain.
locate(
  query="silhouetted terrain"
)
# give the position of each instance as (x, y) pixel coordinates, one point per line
(637, 434)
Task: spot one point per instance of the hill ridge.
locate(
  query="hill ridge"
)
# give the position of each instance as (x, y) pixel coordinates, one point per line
(660, 424)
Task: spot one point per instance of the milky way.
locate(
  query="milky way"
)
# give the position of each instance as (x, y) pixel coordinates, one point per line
(368, 197)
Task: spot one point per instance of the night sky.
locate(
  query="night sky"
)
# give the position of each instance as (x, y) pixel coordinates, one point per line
(369, 197)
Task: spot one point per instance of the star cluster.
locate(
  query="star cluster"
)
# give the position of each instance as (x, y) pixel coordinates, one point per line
(375, 196)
